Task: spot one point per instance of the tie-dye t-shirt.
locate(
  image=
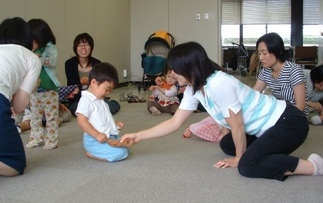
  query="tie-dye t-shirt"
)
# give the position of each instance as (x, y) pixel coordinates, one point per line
(224, 92)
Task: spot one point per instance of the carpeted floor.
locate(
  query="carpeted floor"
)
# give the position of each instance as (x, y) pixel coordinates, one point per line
(167, 169)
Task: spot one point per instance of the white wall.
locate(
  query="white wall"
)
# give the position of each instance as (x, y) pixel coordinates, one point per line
(107, 21)
(178, 18)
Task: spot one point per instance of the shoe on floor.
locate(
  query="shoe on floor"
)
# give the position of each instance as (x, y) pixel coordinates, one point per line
(19, 129)
(316, 120)
(33, 144)
(317, 162)
(50, 146)
(154, 111)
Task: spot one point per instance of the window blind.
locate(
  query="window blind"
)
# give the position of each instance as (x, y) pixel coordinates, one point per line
(230, 12)
(266, 12)
(311, 13)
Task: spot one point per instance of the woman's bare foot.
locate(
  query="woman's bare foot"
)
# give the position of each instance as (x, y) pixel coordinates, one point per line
(93, 157)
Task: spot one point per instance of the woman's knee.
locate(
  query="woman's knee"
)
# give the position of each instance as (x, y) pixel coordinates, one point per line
(247, 167)
(66, 116)
(6, 170)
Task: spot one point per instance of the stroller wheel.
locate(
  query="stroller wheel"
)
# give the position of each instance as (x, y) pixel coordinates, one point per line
(243, 73)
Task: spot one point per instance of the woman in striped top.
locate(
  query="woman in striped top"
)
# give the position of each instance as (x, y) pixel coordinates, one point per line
(285, 79)
(260, 124)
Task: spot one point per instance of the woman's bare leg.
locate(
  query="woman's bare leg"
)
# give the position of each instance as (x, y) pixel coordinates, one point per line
(6, 170)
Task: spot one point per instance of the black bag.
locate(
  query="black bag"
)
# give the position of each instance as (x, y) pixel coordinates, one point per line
(114, 106)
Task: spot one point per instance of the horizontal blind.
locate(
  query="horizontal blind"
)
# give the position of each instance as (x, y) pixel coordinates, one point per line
(230, 12)
(311, 15)
(266, 12)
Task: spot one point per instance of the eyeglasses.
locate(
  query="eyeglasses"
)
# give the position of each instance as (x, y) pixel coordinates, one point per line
(83, 45)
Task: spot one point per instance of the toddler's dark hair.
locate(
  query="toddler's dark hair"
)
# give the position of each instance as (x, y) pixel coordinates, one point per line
(42, 33)
(103, 72)
(317, 74)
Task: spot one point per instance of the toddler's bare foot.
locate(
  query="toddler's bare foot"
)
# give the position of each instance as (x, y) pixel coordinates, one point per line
(187, 133)
(93, 157)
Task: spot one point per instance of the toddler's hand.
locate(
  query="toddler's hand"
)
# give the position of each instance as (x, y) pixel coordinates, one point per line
(101, 137)
(62, 108)
(119, 125)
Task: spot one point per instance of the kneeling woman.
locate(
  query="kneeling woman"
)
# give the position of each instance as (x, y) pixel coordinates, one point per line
(260, 125)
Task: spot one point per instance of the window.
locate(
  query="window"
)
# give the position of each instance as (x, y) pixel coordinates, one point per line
(263, 16)
(311, 23)
(230, 29)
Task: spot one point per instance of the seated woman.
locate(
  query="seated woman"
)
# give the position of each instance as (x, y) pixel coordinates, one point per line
(78, 67)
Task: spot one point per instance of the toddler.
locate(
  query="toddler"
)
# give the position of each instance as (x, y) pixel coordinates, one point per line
(314, 82)
(164, 96)
(101, 132)
(45, 100)
(65, 92)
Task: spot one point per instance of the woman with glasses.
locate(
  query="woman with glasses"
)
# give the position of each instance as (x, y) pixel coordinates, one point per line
(78, 67)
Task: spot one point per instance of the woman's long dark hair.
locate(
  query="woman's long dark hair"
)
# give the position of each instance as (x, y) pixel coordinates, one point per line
(191, 61)
(16, 31)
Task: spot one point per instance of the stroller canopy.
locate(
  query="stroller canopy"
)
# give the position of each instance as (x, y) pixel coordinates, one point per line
(153, 60)
(160, 37)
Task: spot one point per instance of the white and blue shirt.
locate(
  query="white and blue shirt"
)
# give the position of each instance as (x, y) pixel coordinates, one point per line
(224, 92)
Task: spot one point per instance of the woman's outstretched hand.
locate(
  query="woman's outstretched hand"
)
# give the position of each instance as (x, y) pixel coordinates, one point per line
(225, 163)
(117, 143)
(129, 138)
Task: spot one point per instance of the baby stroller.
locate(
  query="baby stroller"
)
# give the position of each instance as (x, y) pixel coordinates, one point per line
(153, 60)
(242, 64)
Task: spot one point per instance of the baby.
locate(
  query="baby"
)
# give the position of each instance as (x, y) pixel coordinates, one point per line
(164, 96)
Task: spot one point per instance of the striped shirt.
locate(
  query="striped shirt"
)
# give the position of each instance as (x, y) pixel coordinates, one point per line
(282, 88)
(224, 92)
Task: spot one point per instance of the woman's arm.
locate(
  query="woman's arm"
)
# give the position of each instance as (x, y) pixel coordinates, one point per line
(300, 97)
(71, 72)
(161, 129)
(239, 138)
(20, 101)
(259, 86)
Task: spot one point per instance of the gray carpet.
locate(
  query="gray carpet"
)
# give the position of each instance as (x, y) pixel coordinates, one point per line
(167, 169)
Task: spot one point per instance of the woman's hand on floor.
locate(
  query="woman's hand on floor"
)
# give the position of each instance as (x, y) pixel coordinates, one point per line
(225, 163)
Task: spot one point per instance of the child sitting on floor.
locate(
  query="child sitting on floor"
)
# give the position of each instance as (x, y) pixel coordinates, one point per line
(164, 96)
(101, 132)
(314, 83)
